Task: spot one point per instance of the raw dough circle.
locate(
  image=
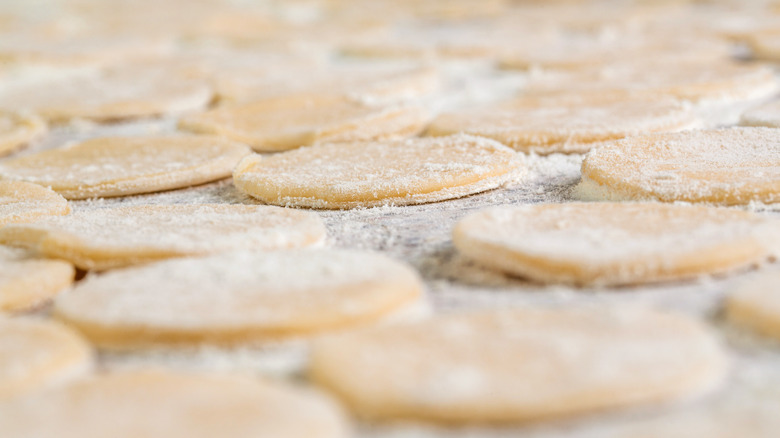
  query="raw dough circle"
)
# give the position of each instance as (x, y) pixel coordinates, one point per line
(104, 238)
(755, 304)
(518, 365)
(615, 243)
(37, 354)
(288, 123)
(734, 166)
(18, 129)
(157, 403)
(767, 115)
(26, 202)
(25, 281)
(238, 297)
(119, 166)
(368, 174)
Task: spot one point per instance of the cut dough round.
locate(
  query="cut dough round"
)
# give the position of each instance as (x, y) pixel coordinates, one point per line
(755, 304)
(368, 174)
(734, 166)
(518, 365)
(564, 126)
(289, 123)
(615, 243)
(37, 354)
(157, 403)
(119, 166)
(26, 202)
(767, 115)
(18, 129)
(238, 297)
(104, 238)
(25, 281)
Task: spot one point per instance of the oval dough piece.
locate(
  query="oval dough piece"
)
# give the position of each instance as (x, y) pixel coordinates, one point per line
(157, 403)
(26, 282)
(518, 365)
(289, 123)
(17, 130)
(26, 202)
(238, 297)
(735, 166)
(557, 126)
(104, 238)
(368, 174)
(755, 304)
(615, 243)
(119, 166)
(38, 354)
(767, 115)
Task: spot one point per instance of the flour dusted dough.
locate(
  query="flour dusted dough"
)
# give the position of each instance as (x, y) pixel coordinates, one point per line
(288, 123)
(518, 365)
(615, 243)
(564, 126)
(18, 129)
(118, 166)
(734, 166)
(26, 202)
(159, 403)
(238, 297)
(755, 303)
(37, 354)
(367, 174)
(103, 238)
(26, 281)
(767, 115)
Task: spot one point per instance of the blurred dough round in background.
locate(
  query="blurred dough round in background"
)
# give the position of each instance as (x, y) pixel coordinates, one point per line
(767, 115)
(17, 130)
(25, 281)
(765, 45)
(27, 202)
(755, 303)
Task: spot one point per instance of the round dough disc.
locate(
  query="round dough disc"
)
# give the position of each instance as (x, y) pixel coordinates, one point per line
(238, 297)
(37, 354)
(767, 115)
(288, 123)
(26, 202)
(735, 166)
(104, 238)
(755, 304)
(518, 365)
(368, 174)
(615, 243)
(118, 166)
(17, 130)
(25, 281)
(157, 403)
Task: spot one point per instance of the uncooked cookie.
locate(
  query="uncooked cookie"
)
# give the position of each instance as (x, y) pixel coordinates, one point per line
(755, 303)
(564, 126)
(518, 365)
(26, 202)
(615, 243)
(38, 354)
(103, 238)
(119, 166)
(368, 174)
(17, 130)
(767, 115)
(158, 403)
(238, 297)
(27, 281)
(735, 166)
(288, 123)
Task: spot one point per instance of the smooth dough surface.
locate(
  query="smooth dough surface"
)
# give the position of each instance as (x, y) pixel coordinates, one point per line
(733, 166)
(755, 303)
(238, 297)
(767, 115)
(26, 202)
(36, 355)
(159, 403)
(103, 238)
(518, 365)
(615, 243)
(288, 123)
(27, 281)
(119, 166)
(17, 130)
(367, 174)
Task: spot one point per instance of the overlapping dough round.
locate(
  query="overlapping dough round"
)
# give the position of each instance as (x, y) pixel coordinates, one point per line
(26, 202)
(18, 129)
(755, 303)
(767, 115)
(26, 281)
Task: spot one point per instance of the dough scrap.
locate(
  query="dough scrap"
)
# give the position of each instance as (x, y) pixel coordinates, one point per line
(615, 243)
(159, 403)
(518, 365)
(17, 130)
(26, 202)
(119, 166)
(368, 174)
(26, 281)
(103, 238)
(767, 115)
(238, 297)
(288, 123)
(733, 166)
(38, 354)
(755, 304)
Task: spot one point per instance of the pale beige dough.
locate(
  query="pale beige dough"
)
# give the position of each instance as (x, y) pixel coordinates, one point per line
(238, 297)
(288, 123)
(518, 365)
(26, 281)
(103, 238)
(615, 243)
(368, 174)
(160, 403)
(17, 130)
(755, 303)
(37, 355)
(734, 166)
(765, 44)
(27, 202)
(119, 166)
(767, 115)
